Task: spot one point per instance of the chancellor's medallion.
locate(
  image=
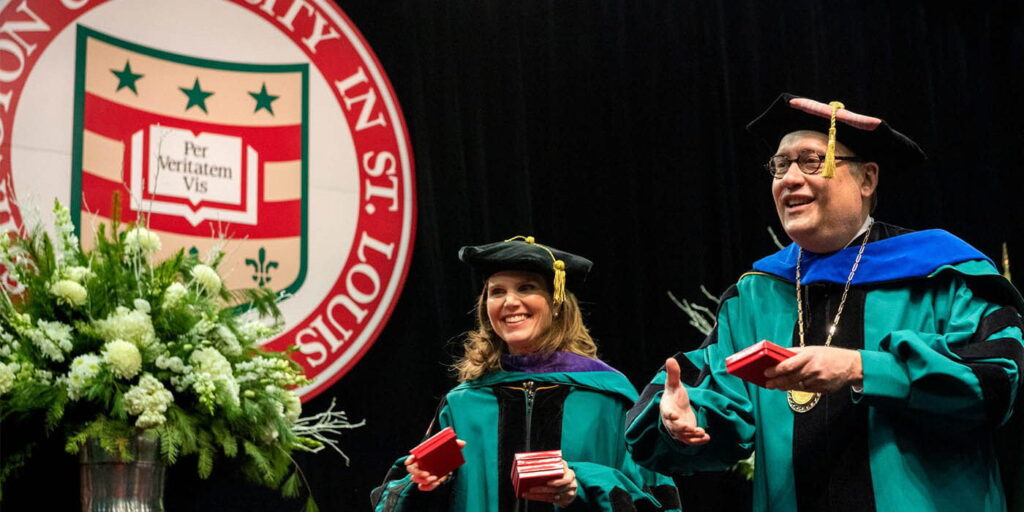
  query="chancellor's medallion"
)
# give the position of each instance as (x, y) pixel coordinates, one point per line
(802, 401)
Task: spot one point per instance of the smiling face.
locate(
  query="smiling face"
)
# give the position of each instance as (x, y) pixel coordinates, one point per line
(519, 308)
(821, 214)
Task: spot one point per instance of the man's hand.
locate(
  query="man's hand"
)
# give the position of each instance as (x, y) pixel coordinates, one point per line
(424, 479)
(676, 414)
(817, 369)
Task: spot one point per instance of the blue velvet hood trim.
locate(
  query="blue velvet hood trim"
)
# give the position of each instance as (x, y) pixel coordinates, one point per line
(913, 255)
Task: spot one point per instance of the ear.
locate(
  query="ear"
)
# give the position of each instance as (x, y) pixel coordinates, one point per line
(868, 179)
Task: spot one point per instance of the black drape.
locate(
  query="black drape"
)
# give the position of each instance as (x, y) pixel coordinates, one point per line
(615, 129)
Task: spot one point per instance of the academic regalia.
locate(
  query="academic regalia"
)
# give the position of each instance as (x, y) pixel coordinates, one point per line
(535, 402)
(564, 401)
(939, 334)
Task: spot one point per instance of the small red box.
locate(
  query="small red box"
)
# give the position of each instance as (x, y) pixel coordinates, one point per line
(536, 468)
(440, 454)
(750, 363)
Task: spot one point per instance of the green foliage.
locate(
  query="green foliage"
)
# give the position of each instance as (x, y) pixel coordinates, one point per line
(290, 487)
(108, 343)
(311, 505)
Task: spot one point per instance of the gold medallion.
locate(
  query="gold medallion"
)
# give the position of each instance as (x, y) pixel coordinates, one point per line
(802, 401)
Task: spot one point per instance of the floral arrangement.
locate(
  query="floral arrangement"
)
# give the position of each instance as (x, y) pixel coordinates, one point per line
(107, 344)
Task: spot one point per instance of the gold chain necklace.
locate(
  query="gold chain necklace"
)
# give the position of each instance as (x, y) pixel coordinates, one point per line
(803, 401)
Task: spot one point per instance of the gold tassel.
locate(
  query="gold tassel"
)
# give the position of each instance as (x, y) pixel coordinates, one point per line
(558, 294)
(830, 153)
(1006, 262)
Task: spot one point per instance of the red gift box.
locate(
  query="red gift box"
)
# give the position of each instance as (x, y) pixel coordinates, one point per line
(440, 454)
(536, 468)
(750, 363)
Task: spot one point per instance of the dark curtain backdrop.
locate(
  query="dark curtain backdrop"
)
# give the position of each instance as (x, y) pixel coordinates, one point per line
(615, 129)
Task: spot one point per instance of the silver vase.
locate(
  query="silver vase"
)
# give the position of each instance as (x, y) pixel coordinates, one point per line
(109, 484)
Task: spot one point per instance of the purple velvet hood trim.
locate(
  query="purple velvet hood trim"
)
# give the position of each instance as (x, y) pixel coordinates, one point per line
(553, 362)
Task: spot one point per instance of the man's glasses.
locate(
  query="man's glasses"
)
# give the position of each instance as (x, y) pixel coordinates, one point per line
(809, 162)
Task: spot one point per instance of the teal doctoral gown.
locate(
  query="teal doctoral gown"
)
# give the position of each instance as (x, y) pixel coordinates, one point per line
(939, 334)
(574, 404)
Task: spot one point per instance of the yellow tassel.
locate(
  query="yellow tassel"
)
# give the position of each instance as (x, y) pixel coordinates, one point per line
(1006, 262)
(830, 153)
(558, 296)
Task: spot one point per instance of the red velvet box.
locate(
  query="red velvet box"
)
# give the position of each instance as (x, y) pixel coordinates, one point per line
(750, 363)
(536, 468)
(440, 454)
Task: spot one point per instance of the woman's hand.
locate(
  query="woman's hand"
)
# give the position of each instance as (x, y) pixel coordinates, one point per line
(424, 479)
(560, 491)
(676, 414)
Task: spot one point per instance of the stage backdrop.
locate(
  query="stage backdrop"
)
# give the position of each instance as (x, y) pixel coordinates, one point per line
(615, 130)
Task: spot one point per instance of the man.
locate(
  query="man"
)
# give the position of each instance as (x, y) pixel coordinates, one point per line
(908, 345)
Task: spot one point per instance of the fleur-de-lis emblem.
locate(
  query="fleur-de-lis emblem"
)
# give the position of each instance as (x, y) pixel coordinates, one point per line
(262, 267)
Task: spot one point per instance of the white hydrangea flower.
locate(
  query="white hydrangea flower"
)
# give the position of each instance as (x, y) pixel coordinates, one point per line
(78, 274)
(141, 240)
(124, 358)
(83, 369)
(207, 278)
(142, 305)
(69, 292)
(173, 363)
(182, 382)
(126, 324)
(6, 378)
(174, 293)
(149, 399)
(177, 365)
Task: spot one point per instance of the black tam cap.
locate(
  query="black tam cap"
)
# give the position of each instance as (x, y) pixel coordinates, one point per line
(524, 253)
(869, 137)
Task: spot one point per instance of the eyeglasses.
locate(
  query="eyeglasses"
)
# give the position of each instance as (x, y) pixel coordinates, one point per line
(809, 162)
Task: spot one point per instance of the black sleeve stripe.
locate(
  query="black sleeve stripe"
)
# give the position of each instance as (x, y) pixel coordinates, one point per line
(689, 373)
(996, 321)
(730, 292)
(711, 339)
(620, 500)
(668, 496)
(1002, 348)
(641, 403)
(996, 387)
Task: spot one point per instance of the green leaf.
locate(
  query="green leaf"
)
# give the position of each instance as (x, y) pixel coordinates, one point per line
(311, 505)
(205, 455)
(290, 487)
(260, 461)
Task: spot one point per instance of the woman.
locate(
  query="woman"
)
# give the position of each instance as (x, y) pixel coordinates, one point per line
(531, 381)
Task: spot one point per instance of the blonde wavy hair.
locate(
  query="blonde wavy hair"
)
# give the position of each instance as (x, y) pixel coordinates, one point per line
(484, 348)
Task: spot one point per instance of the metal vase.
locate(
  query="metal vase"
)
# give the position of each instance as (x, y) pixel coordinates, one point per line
(109, 484)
